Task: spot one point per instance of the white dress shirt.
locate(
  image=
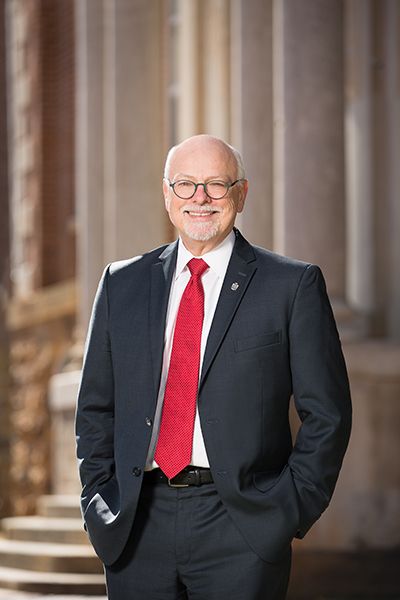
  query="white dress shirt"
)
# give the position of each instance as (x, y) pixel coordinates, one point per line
(217, 260)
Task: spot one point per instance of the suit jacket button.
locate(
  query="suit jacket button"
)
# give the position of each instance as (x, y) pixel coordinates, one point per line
(137, 471)
(149, 422)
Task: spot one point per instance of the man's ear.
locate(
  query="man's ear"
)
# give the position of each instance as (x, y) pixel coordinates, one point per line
(243, 189)
(165, 187)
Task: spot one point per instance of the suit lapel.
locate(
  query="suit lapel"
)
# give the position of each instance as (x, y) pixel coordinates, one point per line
(241, 268)
(161, 278)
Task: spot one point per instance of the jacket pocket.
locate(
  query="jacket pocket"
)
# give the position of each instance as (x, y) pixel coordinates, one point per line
(266, 480)
(257, 341)
(104, 506)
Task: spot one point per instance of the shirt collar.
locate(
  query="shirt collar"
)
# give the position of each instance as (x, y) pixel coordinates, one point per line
(217, 259)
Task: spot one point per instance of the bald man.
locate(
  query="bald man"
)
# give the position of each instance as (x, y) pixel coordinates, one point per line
(192, 486)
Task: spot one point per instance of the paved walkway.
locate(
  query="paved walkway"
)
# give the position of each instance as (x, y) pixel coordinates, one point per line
(372, 575)
(10, 595)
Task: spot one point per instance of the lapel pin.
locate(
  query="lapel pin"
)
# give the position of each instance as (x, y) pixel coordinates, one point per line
(234, 286)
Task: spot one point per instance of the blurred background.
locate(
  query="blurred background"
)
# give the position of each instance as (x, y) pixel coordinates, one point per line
(92, 94)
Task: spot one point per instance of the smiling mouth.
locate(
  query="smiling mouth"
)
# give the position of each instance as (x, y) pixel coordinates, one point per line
(196, 213)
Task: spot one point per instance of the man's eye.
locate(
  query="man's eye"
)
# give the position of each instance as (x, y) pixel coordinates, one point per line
(217, 185)
(184, 183)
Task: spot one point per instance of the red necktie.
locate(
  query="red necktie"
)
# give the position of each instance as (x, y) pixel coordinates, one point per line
(175, 439)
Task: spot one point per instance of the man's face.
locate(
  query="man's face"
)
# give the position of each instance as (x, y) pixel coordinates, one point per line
(202, 222)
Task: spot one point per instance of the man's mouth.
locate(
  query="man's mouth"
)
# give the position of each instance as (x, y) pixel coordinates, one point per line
(199, 213)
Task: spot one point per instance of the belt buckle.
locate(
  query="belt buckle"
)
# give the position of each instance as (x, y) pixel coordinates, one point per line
(177, 485)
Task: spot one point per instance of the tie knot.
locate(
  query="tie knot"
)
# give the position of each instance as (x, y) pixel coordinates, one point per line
(197, 266)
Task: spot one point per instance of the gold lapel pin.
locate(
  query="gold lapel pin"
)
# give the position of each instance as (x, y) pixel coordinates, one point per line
(234, 286)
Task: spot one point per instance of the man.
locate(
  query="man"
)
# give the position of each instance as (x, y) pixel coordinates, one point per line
(192, 487)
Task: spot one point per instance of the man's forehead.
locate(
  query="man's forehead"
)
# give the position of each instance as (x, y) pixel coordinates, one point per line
(204, 154)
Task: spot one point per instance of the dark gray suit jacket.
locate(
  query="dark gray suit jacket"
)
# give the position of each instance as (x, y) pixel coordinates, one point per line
(272, 337)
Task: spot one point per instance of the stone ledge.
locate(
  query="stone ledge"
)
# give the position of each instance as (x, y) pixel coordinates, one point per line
(51, 583)
(48, 304)
(59, 505)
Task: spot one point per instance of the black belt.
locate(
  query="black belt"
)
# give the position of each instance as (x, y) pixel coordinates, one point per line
(188, 476)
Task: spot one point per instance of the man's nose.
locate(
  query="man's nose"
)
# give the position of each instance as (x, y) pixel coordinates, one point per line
(200, 195)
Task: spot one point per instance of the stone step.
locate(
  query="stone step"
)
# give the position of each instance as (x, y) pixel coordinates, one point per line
(40, 556)
(52, 583)
(45, 529)
(59, 506)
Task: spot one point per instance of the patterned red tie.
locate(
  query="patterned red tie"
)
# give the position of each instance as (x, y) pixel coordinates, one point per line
(175, 439)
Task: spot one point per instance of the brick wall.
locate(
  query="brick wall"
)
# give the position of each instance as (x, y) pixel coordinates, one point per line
(57, 89)
(41, 310)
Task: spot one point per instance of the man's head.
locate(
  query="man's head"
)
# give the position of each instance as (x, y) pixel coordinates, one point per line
(202, 221)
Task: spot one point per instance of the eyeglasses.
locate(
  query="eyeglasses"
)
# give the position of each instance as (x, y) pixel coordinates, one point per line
(216, 190)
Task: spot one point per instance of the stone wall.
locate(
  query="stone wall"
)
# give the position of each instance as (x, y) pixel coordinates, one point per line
(364, 512)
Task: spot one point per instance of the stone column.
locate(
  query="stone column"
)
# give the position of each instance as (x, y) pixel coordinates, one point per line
(252, 121)
(120, 135)
(360, 282)
(89, 168)
(185, 58)
(392, 53)
(386, 144)
(224, 59)
(202, 56)
(309, 209)
(134, 146)
(63, 390)
(215, 53)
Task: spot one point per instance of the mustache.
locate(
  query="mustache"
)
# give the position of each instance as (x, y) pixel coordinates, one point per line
(199, 209)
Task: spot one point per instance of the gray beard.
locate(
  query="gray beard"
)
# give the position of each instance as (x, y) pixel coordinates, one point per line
(202, 232)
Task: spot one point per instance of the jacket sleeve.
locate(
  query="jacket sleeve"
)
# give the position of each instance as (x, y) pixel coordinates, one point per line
(321, 395)
(95, 408)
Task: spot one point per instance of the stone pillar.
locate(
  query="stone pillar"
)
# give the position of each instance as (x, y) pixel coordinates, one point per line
(386, 144)
(134, 146)
(252, 121)
(309, 209)
(360, 280)
(392, 85)
(63, 390)
(120, 134)
(89, 167)
(215, 52)
(185, 57)
(202, 57)
(120, 144)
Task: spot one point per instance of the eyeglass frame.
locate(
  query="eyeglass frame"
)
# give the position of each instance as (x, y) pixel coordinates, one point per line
(228, 186)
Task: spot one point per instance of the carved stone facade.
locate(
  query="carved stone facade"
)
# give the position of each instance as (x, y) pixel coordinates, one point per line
(40, 340)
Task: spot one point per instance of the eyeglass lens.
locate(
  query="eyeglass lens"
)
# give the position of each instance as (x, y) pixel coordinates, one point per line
(213, 189)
